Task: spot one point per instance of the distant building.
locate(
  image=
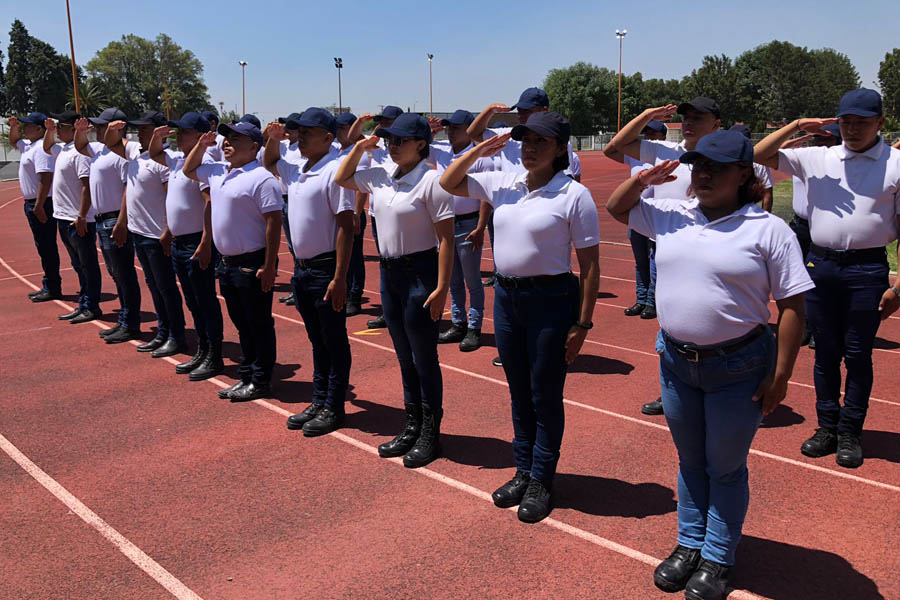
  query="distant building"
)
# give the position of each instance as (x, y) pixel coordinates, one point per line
(334, 109)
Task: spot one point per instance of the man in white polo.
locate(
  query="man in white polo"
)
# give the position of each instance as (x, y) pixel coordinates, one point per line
(321, 215)
(853, 196)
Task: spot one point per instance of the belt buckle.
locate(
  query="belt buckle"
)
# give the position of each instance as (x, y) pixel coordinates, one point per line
(690, 354)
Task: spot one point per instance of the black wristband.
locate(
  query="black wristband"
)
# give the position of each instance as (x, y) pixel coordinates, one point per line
(585, 326)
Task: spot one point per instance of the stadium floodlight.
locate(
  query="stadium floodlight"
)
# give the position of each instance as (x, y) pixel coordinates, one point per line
(430, 87)
(243, 64)
(339, 64)
(621, 36)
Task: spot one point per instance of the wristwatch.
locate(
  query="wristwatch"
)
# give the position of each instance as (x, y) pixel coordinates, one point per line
(896, 291)
(585, 326)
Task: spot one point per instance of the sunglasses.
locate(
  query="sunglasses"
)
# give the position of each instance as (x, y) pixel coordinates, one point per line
(394, 140)
(711, 167)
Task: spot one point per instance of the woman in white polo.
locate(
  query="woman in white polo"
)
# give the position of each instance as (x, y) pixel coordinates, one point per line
(541, 313)
(414, 214)
(721, 368)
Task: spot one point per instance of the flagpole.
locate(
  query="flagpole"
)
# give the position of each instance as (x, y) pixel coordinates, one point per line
(72, 52)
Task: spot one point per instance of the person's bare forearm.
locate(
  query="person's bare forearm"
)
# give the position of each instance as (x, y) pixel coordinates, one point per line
(206, 236)
(767, 200)
(446, 253)
(85, 198)
(624, 198)
(628, 135)
(766, 151)
(590, 286)
(273, 238)
(45, 184)
(484, 214)
(344, 244)
(193, 161)
(49, 139)
(791, 319)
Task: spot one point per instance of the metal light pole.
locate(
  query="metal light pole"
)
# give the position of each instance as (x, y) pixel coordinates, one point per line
(430, 88)
(72, 51)
(243, 64)
(339, 64)
(621, 36)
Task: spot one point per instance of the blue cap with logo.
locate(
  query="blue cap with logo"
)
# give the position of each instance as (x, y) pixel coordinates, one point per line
(314, 117)
(531, 98)
(722, 147)
(191, 120)
(243, 128)
(345, 119)
(547, 124)
(35, 118)
(389, 112)
(408, 125)
(460, 117)
(657, 126)
(252, 119)
(862, 103)
(108, 116)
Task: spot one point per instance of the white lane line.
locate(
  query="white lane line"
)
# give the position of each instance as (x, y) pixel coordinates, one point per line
(149, 566)
(5, 204)
(24, 331)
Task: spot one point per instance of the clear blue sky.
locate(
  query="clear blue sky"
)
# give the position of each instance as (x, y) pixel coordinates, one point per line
(484, 51)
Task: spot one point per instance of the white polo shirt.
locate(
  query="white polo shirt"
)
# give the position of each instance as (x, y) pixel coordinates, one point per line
(535, 230)
(406, 208)
(108, 175)
(313, 201)
(145, 189)
(239, 198)
(215, 153)
(510, 157)
(654, 152)
(853, 197)
(185, 204)
(71, 168)
(32, 163)
(443, 155)
(380, 157)
(799, 202)
(714, 279)
(763, 175)
(290, 153)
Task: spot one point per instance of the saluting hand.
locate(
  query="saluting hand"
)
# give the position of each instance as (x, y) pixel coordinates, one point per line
(368, 144)
(491, 146)
(207, 140)
(116, 126)
(435, 124)
(83, 125)
(50, 125)
(498, 107)
(815, 125)
(12, 122)
(162, 132)
(659, 174)
(889, 304)
(662, 113)
(275, 130)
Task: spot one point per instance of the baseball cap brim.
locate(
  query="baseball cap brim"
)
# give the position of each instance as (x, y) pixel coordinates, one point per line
(684, 106)
(301, 122)
(518, 132)
(859, 112)
(525, 105)
(98, 121)
(692, 156)
(389, 131)
(226, 128)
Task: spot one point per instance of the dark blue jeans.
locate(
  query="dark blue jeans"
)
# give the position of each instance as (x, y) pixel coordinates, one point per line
(801, 230)
(120, 264)
(250, 310)
(842, 311)
(83, 256)
(160, 278)
(327, 332)
(44, 235)
(712, 417)
(404, 289)
(375, 233)
(356, 274)
(531, 326)
(466, 274)
(198, 286)
(286, 225)
(644, 250)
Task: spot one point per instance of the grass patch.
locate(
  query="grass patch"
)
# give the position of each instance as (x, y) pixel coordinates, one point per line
(782, 205)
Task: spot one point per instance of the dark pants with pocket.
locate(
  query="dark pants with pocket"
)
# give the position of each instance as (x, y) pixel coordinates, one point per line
(286, 225)
(198, 286)
(83, 256)
(250, 309)
(356, 274)
(160, 278)
(327, 332)
(44, 235)
(120, 265)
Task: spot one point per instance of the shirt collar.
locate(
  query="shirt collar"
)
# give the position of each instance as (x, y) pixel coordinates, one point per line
(246, 168)
(557, 183)
(320, 164)
(873, 153)
(413, 177)
(748, 211)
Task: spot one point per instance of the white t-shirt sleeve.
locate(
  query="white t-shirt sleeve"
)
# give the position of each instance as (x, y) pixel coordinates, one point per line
(21, 146)
(365, 178)
(160, 171)
(790, 161)
(649, 151)
(341, 199)
(82, 166)
(584, 223)
(787, 273)
(439, 202)
(646, 216)
(268, 195)
(207, 170)
(171, 158)
(286, 170)
(483, 186)
(43, 162)
(575, 166)
(764, 175)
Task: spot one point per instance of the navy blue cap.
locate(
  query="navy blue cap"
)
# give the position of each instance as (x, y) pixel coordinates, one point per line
(657, 126)
(460, 117)
(252, 119)
(531, 98)
(547, 124)
(35, 118)
(862, 103)
(210, 115)
(284, 120)
(67, 116)
(346, 118)
(741, 129)
(315, 117)
(243, 128)
(721, 147)
(389, 112)
(834, 129)
(108, 116)
(701, 104)
(151, 117)
(191, 120)
(408, 125)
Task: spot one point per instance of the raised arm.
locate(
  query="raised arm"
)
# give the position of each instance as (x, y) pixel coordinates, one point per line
(114, 139)
(82, 126)
(627, 141)
(156, 150)
(455, 179)
(896, 145)
(49, 135)
(477, 127)
(628, 194)
(357, 127)
(14, 135)
(195, 156)
(766, 151)
(345, 173)
(272, 154)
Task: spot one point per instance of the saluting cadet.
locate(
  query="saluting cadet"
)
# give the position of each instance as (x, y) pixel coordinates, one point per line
(415, 216)
(469, 240)
(542, 311)
(107, 184)
(853, 194)
(763, 173)
(72, 209)
(721, 369)
(321, 214)
(246, 224)
(194, 255)
(35, 181)
(145, 216)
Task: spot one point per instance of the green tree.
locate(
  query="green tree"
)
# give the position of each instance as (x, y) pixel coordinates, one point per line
(659, 92)
(37, 76)
(833, 76)
(717, 78)
(18, 68)
(92, 98)
(2, 87)
(889, 81)
(585, 94)
(139, 74)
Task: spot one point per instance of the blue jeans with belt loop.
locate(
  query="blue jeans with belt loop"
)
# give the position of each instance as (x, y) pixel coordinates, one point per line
(531, 326)
(404, 288)
(644, 250)
(198, 286)
(160, 277)
(712, 417)
(120, 264)
(466, 274)
(83, 256)
(44, 235)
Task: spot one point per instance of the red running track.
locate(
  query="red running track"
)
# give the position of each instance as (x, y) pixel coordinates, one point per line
(125, 480)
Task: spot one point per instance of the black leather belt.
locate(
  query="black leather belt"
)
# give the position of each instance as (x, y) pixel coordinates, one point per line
(320, 260)
(694, 354)
(113, 214)
(851, 257)
(396, 262)
(468, 215)
(800, 219)
(249, 259)
(537, 281)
